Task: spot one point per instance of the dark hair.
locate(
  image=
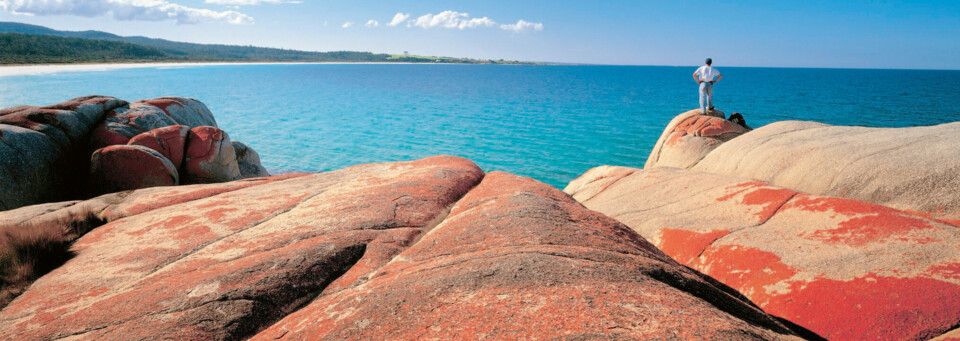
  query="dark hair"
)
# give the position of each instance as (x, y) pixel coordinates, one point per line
(709, 61)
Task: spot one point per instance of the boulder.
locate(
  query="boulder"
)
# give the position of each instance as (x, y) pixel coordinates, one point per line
(690, 136)
(249, 161)
(843, 268)
(371, 251)
(125, 167)
(913, 169)
(170, 141)
(43, 150)
(210, 156)
(124, 123)
(186, 111)
(227, 263)
(519, 259)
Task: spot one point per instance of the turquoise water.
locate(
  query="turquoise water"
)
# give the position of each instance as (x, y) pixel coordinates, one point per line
(551, 123)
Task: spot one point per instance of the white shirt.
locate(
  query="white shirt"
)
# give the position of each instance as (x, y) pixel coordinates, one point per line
(707, 73)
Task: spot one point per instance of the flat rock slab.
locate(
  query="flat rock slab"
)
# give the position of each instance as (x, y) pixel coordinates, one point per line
(223, 266)
(845, 269)
(913, 169)
(519, 259)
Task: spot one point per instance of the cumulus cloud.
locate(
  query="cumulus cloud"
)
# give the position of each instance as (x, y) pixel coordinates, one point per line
(347, 24)
(250, 2)
(459, 20)
(451, 19)
(398, 19)
(146, 10)
(372, 23)
(523, 25)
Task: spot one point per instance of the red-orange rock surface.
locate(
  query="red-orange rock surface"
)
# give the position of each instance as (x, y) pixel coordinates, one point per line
(690, 136)
(845, 269)
(912, 168)
(125, 167)
(186, 111)
(367, 252)
(44, 152)
(210, 156)
(222, 266)
(170, 141)
(517, 258)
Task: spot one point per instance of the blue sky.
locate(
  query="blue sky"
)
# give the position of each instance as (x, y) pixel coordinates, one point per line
(863, 34)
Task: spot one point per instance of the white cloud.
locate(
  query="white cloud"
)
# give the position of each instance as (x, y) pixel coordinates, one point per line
(145, 10)
(372, 23)
(451, 19)
(347, 24)
(398, 19)
(523, 25)
(250, 2)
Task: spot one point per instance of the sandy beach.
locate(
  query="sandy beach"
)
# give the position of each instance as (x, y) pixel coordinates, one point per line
(19, 70)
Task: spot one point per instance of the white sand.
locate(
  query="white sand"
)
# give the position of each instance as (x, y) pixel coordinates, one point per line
(16, 70)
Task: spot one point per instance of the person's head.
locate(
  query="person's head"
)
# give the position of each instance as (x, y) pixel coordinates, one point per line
(709, 61)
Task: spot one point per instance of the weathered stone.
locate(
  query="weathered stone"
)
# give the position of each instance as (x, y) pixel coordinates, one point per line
(124, 123)
(845, 269)
(170, 141)
(223, 266)
(43, 150)
(912, 169)
(125, 167)
(249, 161)
(518, 259)
(210, 156)
(185, 111)
(690, 136)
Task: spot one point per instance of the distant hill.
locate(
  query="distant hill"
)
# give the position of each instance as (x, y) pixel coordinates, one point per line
(16, 48)
(147, 49)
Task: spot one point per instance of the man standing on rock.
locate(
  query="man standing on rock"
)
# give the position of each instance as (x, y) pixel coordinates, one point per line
(705, 77)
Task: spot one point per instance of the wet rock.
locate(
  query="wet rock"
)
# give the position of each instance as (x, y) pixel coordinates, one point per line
(845, 269)
(125, 167)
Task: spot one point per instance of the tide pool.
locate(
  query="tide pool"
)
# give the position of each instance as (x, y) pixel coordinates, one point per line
(551, 123)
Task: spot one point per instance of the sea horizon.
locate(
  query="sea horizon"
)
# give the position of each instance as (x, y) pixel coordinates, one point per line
(549, 122)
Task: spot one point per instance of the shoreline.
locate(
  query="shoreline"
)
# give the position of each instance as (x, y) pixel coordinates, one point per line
(40, 69)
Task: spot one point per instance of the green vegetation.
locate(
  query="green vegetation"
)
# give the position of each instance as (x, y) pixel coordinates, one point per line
(32, 44)
(18, 48)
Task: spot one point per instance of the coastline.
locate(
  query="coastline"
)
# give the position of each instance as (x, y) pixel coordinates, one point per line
(39, 69)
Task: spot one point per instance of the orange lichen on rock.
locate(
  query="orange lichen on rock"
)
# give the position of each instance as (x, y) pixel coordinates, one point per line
(757, 193)
(686, 245)
(703, 126)
(515, 259)
(862, 222)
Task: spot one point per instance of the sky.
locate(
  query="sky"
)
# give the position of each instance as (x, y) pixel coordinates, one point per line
(809, 33)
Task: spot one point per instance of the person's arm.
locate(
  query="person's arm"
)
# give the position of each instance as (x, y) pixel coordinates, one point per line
(719, 76)
(695, 78)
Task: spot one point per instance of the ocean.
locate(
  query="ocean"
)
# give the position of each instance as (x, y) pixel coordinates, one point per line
(551, 123)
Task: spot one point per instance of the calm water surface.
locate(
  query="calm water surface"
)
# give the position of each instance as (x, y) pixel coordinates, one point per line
(551, 123)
